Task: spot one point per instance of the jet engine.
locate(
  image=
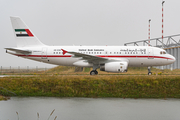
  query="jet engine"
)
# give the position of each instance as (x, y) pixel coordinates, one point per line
(114, 67)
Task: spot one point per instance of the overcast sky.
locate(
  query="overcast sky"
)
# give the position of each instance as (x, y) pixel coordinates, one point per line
(85, 22)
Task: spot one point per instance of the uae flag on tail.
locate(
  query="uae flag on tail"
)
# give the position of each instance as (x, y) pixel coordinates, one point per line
(23, 33)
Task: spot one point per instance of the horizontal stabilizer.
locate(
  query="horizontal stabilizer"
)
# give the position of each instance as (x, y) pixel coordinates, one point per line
(19, 50)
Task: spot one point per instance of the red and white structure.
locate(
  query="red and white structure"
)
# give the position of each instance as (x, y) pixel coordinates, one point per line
(162, 22)
(149, 32)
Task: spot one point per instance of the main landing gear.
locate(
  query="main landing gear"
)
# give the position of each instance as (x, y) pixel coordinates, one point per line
(94, 71)
(149, 71)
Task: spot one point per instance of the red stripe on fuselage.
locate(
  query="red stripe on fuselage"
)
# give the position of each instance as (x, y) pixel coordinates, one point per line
(43, 55)
(135, 57)
(112, 56)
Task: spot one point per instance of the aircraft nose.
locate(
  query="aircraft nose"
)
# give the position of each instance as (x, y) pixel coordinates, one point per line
(173, 59)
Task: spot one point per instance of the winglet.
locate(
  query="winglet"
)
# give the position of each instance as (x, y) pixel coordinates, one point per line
(64, 51)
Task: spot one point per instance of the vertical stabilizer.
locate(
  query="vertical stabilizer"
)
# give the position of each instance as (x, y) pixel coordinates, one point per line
(23, 35)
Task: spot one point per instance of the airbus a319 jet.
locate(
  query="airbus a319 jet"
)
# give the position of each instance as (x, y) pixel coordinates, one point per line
(107, 58)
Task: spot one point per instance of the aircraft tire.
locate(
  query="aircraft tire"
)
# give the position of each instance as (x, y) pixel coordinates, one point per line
(149, 73)
(96, 72)
(93, 72)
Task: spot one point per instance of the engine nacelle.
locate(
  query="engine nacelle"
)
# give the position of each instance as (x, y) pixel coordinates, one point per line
(114, 67)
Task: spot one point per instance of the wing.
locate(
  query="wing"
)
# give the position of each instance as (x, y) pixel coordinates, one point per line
(89, 58)
(19, 50)
(95, 59)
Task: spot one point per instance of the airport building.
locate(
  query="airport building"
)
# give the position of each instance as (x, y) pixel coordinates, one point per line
(170, 43)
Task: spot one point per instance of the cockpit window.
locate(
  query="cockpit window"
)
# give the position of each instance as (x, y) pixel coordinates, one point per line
(163, 52)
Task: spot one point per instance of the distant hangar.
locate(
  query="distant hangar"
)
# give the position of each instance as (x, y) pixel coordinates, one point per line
(170, 43)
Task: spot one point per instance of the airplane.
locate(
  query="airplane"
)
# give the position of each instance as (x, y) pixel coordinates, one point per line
(115, 59)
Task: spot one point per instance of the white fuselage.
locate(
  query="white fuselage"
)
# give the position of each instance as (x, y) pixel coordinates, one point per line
(107, 58)
(134, 55)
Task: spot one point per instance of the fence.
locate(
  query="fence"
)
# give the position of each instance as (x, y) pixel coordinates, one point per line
(19, 69)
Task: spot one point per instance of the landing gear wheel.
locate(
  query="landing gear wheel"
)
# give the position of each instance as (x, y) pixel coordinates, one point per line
(149, 73)
(96, 72)
(93, 72)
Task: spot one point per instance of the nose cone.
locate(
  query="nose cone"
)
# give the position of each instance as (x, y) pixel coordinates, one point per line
(173, 59)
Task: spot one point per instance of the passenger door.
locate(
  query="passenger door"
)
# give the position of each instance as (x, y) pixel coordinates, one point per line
(44, 53)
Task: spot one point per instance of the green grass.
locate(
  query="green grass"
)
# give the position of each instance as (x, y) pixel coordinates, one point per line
(86, 69)
(3, 98)
(57, 82)
(67, 70)
(94, 86)
(64, 70)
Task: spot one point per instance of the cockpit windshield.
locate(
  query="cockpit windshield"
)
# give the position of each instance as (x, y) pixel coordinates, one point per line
(163, 52)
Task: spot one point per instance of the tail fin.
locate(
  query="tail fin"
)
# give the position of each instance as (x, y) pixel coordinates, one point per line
(23, 35)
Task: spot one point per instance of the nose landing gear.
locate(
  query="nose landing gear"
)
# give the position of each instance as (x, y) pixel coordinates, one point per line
(149, 71)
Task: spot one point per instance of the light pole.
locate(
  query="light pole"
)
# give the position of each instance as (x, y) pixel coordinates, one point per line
(162, 23)
(162, 27)
(149, 31)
